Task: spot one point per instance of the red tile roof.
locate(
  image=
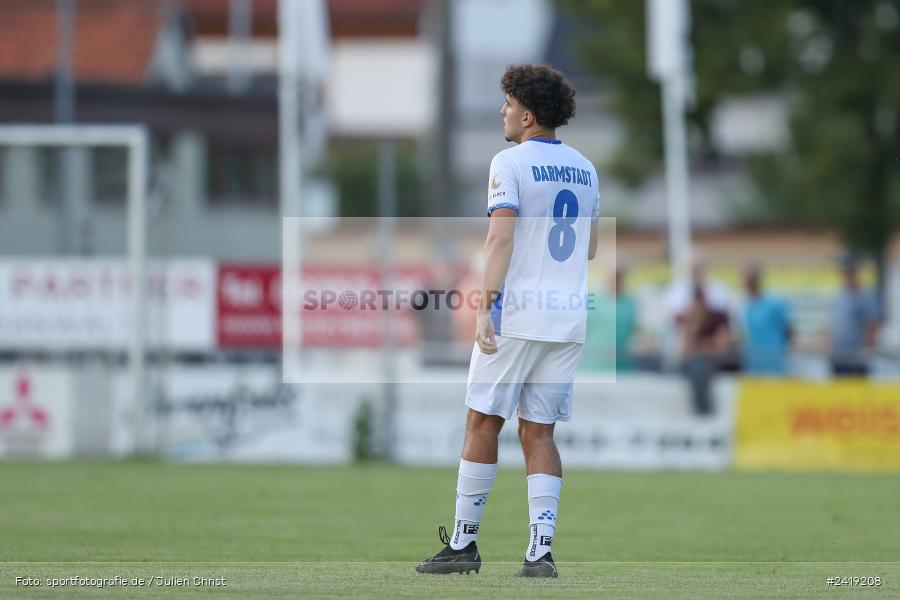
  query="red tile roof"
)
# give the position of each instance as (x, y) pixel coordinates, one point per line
(348, 17)
(114, 39)
(375, 17)
(210, 17)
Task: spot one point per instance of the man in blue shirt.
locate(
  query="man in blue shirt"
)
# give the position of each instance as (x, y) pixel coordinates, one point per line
(855, 319)
(767, 328)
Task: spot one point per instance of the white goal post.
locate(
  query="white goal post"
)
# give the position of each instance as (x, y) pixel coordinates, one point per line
(134, 139)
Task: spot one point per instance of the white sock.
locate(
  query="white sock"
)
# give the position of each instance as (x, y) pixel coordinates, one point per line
(472, 488)
(543, 502)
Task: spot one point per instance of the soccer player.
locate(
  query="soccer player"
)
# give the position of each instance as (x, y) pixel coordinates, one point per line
(544, 205)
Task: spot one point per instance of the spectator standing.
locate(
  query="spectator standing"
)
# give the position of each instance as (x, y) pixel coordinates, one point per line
(612, 322)
(855, 319)
(767, 328)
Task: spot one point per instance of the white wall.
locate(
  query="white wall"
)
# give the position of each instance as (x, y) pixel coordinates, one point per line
(381, 87)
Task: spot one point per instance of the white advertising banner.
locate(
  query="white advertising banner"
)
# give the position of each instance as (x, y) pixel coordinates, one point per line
(241, 413)
(36, 412)
(638, 422)
(82, 304)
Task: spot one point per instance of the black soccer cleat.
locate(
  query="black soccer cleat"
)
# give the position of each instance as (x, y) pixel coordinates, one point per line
(542, 567)
(449, 560)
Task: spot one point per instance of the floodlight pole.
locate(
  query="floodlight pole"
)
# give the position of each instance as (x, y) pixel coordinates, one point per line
(240, 30)
(137, 259)
(290, 175)
(302, 65)
(675, 144)
(668, 30)
(64, 112)
(441, 198)
(387, 212)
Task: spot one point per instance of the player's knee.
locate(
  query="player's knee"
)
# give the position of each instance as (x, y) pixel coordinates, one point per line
(481, 423)
(530, 432)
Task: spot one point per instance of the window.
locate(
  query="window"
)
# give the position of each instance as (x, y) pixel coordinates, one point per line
(3, 176)
(241, 175)
(49, 162)
(109, 174)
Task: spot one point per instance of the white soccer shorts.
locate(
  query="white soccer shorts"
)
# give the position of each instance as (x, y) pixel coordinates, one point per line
(535, 375)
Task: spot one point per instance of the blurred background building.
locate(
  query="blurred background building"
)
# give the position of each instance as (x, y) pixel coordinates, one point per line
(203, 77)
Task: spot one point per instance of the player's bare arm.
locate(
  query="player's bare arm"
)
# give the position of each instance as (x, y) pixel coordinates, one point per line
(498, 249)
(595, 239)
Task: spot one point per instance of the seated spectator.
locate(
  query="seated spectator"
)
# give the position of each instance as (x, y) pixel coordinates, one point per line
(705, 345)
(767, 329)
(678, 299)
(855, 319)
(680, 294)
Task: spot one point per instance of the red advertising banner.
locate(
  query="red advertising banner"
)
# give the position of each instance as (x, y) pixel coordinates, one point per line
(248, 306)
(342, 306)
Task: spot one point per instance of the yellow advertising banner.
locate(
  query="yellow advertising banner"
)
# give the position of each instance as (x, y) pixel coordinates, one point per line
(843, 425)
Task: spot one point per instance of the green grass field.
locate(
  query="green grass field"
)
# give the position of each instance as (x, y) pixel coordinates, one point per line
(300, 532)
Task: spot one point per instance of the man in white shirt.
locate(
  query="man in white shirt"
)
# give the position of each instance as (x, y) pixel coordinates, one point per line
(543, 204)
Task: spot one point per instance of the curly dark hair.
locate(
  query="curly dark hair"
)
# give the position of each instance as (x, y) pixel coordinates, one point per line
(543, 90)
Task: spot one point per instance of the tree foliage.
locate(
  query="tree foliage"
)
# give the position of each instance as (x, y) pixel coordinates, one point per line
(835, 63)
(353, 167)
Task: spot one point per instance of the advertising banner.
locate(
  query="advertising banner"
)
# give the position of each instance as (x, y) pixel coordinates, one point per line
(248, 306)
(36, 412)
(240, 413)
(82, 304)
(638, 423)
(845, 425)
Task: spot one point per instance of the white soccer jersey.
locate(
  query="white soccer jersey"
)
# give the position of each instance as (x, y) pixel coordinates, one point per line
(554, 190)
